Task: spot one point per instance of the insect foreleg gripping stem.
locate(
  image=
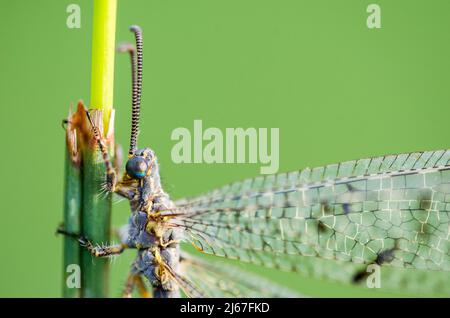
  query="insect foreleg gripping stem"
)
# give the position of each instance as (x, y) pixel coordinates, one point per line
(111, 178)
(97, 251)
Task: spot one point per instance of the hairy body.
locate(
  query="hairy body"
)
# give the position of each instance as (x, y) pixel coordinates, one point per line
(158, 245)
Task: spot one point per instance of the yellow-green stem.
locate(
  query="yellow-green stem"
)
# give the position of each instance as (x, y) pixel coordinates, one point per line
(96, 209)
(103, 43)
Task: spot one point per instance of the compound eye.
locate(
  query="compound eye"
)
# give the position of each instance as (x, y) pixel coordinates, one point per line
(136, 167)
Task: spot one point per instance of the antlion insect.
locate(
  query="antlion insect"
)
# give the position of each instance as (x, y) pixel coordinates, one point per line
(390, 211)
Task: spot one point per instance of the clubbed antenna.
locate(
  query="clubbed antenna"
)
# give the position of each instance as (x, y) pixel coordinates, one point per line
(136, 59)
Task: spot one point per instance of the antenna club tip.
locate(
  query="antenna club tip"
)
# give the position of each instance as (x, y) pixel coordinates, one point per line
(135, 29)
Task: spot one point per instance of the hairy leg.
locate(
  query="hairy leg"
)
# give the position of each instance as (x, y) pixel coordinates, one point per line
(97, 251)
(143, 292)
(135, 280)
(129, 286)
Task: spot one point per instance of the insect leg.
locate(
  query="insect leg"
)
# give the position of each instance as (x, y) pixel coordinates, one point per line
(143, 292)
(97, 251)
(111, 177)
(104, 251)
(134, 279)
(112, 184)
(129, 286)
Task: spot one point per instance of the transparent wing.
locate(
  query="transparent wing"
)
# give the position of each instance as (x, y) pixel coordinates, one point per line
(391, 210)
(224, 280)
(189, 289)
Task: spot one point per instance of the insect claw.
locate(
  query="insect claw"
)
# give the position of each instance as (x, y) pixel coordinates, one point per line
(64, 122)
(59, 229)
(89, 118)
(83, 241)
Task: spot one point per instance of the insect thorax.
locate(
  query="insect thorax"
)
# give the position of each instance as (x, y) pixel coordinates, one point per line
(148, 231)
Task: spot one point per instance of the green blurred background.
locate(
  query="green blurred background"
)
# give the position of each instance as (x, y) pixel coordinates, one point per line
(336, 89)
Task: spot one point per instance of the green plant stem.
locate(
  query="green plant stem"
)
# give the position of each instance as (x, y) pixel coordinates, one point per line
(72, 214)
(96, 210)
(103, 52)
(96, 219)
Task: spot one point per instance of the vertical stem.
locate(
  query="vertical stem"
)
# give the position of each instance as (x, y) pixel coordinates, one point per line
(96, 210)
(103, 42)
(72, 214)
(96, 219)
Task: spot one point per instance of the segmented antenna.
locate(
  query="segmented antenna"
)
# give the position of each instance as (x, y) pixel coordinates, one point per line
(137, 88)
